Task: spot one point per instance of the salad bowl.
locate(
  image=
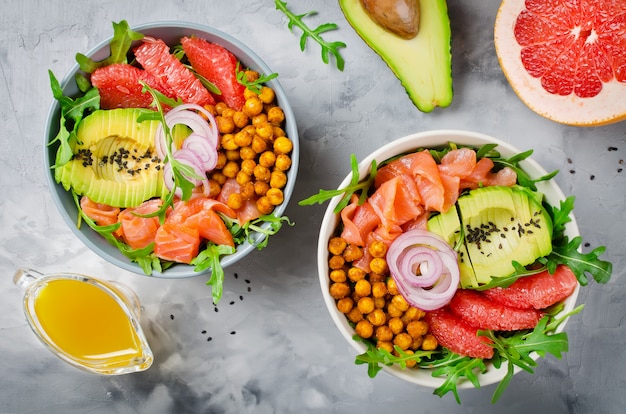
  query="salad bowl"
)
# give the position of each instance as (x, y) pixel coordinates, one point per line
(170, 33)
(331, 220)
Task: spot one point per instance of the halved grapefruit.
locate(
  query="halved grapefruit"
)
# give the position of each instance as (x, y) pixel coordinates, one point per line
(565, 59)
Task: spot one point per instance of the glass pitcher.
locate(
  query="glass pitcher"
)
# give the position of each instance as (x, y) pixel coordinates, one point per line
(89, 323)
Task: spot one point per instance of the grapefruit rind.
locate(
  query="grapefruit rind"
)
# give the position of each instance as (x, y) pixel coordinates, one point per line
(607, 107)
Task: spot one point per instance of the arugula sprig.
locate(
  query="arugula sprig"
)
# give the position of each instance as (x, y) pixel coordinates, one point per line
(255, 85)
(522, 176)
(210, 258)
(354, 187)
(328, 48)
(376, 358)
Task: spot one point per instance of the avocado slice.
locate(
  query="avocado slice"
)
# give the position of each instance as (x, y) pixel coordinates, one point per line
(423, 64)
(114, 160)
(502, 225)
(499, 225)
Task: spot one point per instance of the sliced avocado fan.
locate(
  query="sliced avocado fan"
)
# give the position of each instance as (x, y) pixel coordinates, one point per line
(499, 226)
(114, 160)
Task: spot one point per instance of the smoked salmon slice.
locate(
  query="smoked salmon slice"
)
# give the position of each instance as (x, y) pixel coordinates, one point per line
(136, 231)
(101, 214)
(248, 211)
(396, 201)
(358, 221)
(176, 242)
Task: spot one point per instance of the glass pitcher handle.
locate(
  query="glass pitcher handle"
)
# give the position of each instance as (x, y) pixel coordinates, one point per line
(24, 277)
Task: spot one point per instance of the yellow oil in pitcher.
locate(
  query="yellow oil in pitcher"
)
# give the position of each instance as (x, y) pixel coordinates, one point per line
(89, 323)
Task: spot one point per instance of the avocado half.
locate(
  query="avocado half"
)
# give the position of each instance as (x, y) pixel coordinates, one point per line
(423, 64)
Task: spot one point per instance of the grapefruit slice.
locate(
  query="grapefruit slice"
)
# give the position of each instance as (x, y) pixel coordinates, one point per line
(565, 59)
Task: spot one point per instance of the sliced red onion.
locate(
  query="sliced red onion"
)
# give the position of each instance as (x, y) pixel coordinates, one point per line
(426, 253)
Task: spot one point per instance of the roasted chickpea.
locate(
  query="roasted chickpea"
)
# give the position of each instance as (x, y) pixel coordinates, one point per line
(247, 153)
(278, 179)
(225, 125)
(352, 253)
(235, 201)
(338, 275)
(247, 190)
(249, 93)
(411, 362)
(339, 290)
(386, 345)
(267, 159)
(240, 119)
(364, 329)
(232, 155)
(345, 305)
(396, 325)
(265, 131)
(403, 340)
(228, 142)
(377, 277)
(283, 145)
(393, 311)
(219, 107)
(221, 160)
(362, 287)
(336, 245)
(259, 119)
(219, 177)
(377, 317)
(354, 315)
(267, 94)
(275, 195)
(378, 265)
(247, 166)
(417, 328)
(259, 145)
(243, 178)
(243, 138)
(400, 302)
(278, 132)
(383, 333)
(417, 343)
(429, 343)
(283, 162)
(336, 262)
(355, 274)
(262, 173)
(378, 249)
(365, 305)
(391, 286)
(413, 314)
(275, 115)
(253, 106)
(231, 169)
(379, 289)
(260, 188)
(214, 188)
(380, 302)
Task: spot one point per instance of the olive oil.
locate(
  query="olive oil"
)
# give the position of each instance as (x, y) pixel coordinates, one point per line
(86, 323)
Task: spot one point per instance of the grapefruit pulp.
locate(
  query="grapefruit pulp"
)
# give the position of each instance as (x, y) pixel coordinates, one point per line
(565, 59)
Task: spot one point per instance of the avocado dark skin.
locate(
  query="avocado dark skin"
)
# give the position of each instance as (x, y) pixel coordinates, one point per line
(400, 17)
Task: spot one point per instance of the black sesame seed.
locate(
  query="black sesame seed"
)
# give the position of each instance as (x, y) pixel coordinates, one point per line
(203, 331)
(249, 289)
(172, 317)
(209, 339)
(240, 297)
(232, 302)
(612, 148)
(592, 177)
(233, 332)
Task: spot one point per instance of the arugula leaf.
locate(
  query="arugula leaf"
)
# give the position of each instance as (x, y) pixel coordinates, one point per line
(454, 367)
(568, 254)
(123, 37)
(255, 85)
(348, 191)
(522, 176)
(328, 48)
(210, 258)
(72, 112)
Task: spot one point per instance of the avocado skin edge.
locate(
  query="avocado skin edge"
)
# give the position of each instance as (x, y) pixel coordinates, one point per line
(423, 64)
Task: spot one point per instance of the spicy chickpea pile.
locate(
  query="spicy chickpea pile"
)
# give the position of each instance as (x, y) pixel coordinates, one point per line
(372, 302)
(253, 149)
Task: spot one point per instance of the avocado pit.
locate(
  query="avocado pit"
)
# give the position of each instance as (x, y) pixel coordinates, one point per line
(400, 17)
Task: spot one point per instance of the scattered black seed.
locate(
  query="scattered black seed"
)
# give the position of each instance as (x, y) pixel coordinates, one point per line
(249, 289)
(612, 148)
(216, 309)
(172, 317)
(572, 171)
(236, 276)
(587, 244)
(619, 170)
(247, 281)
(240, 297)
(203, 331)
(232, 302)
(569, 160)
(233, 332)
(592, 177)
(209, 339)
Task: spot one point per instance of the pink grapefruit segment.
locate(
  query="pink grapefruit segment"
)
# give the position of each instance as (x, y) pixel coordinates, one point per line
(566, 60)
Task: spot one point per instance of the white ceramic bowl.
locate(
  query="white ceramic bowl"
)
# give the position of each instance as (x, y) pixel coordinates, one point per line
(171, 33)
(429, 139)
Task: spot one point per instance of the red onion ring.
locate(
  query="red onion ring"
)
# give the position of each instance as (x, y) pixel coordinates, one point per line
(437, 263)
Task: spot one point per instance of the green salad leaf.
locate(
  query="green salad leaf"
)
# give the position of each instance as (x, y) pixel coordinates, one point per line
(123, 38)
(328, 48)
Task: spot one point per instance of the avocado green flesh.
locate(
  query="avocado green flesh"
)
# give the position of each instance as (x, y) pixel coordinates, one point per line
(423, 64)
(114, 160)
(500, 225)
